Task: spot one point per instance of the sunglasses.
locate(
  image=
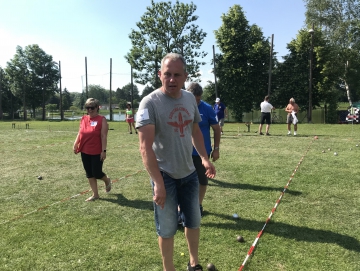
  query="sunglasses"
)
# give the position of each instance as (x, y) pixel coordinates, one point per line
(90, 107)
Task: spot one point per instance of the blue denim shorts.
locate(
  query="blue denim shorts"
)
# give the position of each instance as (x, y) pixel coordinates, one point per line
(184, 193)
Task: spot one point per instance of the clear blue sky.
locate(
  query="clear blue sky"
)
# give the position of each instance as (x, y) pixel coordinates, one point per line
(71, 30)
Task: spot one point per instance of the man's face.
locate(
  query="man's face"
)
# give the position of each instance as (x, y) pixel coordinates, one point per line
(172, 76)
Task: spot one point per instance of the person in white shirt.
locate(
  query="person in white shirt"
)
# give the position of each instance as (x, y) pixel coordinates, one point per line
(266, 108)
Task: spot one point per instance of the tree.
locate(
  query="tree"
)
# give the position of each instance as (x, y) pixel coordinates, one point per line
(209, 95)
(339, 21)
(99, 93)
(66, 99)
(147, 90)
(33, 76)
(165, 28)
(243, 64)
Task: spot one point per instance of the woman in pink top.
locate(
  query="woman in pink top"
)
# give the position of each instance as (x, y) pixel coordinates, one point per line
(91, 141)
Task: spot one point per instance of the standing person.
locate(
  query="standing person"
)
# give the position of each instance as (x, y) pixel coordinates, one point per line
(292, 109)
(266, 108)
(167, 123)
(91, 141)
(221, 113)
(129, 117)
(208, 119)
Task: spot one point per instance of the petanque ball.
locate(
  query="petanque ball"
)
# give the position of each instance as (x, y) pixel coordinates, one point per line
(240, 239)
(211, 267)
(39, 178)
(323, 151)
(335, 153)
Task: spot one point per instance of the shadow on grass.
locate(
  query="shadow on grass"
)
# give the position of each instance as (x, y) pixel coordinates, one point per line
(236, 136)
(251, 187)
(137, 204)
(286, 231)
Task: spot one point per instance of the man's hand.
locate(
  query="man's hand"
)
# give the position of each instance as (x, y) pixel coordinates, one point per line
(215, 155)
(210, 169)
(159, 195)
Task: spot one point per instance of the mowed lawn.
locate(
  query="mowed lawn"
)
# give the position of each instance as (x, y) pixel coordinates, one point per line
(47, 225)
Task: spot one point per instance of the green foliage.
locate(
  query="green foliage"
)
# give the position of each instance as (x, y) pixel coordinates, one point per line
(74, 108)
(99, 93)
(332, 107)
(209, 93)
(66, 99)
(165, 28)
(51, 107)
(9, 102)
(242, 66)
(147, 90)
(292, 76)
(340, 24)
(33, 75)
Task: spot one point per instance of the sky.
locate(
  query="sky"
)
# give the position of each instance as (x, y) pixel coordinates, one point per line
(71, 30)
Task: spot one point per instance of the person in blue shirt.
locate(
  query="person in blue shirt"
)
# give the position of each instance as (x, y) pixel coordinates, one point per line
(208, 119)
(221, 113)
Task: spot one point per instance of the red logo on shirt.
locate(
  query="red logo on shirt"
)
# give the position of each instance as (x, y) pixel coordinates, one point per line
(179, 124)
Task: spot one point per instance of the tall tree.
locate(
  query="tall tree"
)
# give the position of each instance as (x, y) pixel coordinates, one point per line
(33, 75)
(339, 21)
(165, 28)
(243, 64)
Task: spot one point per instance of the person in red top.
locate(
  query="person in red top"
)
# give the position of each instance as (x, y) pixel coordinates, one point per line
(91, 141)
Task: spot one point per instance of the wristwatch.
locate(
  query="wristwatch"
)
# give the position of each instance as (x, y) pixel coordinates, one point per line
(216, 148)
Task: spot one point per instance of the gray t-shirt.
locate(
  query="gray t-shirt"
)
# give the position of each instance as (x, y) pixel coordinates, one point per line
(173, 120)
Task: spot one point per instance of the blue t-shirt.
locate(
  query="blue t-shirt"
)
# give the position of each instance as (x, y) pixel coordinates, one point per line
(208, 118)
(219, 110)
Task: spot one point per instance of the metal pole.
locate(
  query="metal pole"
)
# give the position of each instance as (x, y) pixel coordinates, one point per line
(43, 94)
(270, 63)
(86, 77)
(132, 88)
(111, 116)
(61, 97)
(23, 85)
(311, 31)
(1, 111)
(216, 93)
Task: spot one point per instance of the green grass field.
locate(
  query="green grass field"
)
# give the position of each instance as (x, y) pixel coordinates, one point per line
(46, 224)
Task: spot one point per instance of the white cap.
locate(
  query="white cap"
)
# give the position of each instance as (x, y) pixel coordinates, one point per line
(217, 100)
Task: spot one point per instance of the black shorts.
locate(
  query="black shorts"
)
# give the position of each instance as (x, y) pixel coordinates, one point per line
(265, 117)
(92, 165)
(200, 169)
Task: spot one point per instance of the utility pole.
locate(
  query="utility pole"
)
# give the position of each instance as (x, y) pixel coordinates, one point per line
(216, 93)
(111, 115)
(311, 31)
(87, 93)
(270, 63)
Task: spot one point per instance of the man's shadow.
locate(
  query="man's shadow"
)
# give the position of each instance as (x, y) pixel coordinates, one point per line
(285, 230)
(244, 186)
(136, 204)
